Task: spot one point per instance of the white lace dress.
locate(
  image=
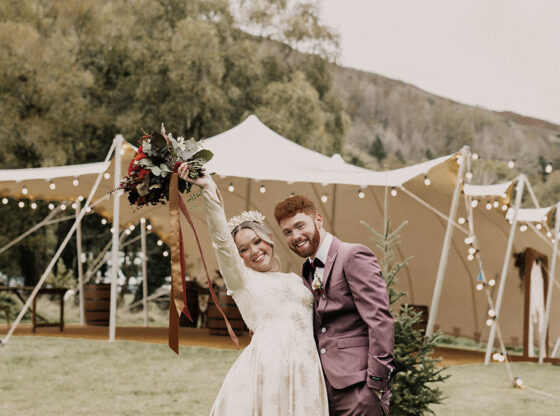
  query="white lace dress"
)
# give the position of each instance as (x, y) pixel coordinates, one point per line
(279, 373)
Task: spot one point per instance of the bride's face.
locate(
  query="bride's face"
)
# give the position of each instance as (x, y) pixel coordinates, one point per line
(255, 252)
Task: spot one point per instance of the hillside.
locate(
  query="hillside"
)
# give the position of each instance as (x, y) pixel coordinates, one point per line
(413, 125)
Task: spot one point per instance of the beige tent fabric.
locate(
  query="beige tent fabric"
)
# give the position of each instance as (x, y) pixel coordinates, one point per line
(250, 156)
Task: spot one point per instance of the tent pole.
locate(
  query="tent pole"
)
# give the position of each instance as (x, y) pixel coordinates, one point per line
(79, 263)
(248, 195)
(542, 349)
(507, 260)
(116, 245)
(144, 271)
(58, 253)
(447, 242)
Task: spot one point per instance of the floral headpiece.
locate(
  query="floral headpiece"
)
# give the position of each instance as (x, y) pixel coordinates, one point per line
(254, 216)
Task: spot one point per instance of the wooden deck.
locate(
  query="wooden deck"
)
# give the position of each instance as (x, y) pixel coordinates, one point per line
(201, 337)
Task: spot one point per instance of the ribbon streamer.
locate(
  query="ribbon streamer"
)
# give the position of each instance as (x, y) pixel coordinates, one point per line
(178, 299)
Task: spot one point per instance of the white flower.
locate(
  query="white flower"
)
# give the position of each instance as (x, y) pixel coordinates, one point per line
(317, 284)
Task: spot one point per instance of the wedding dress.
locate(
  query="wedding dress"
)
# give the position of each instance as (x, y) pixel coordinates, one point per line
(279, 373)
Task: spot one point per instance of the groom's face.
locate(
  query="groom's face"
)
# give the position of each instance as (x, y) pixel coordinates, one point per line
(302, 233)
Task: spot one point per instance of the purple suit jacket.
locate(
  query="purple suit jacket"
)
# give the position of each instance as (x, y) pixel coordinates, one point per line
(353, 326)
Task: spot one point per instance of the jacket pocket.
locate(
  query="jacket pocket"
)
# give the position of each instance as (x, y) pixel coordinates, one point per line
(352, 342)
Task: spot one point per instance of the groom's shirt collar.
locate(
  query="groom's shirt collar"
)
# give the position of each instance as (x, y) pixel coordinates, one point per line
(323, 251)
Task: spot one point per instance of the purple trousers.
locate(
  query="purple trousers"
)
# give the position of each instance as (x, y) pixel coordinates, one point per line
(357, 400)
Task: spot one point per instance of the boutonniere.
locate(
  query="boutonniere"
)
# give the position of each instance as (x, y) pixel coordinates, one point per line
(317, 286)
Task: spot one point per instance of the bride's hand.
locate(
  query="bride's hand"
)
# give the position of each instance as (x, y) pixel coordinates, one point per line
(205, 181)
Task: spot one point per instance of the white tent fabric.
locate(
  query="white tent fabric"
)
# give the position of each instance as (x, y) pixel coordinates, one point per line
(261, 168)
(531, 214)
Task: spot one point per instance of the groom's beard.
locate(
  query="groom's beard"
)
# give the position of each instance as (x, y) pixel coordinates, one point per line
(312, 247)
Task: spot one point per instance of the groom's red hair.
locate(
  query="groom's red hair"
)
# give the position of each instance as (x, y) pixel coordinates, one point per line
(292, 206)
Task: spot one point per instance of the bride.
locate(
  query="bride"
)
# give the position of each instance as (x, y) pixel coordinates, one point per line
(279, 373)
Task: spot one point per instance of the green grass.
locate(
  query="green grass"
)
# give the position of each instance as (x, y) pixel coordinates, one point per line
(53, 376)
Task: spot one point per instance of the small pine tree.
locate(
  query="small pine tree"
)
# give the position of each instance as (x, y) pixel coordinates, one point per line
(413, 391)
(377, 150)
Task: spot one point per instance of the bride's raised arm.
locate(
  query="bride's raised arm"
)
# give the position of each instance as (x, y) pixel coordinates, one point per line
(231, 265)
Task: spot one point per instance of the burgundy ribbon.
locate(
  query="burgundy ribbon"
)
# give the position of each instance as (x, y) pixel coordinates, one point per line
(178, 296)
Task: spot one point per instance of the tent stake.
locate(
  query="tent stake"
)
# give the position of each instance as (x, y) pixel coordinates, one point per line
(447, 243)
(543, 348)
(507, 260)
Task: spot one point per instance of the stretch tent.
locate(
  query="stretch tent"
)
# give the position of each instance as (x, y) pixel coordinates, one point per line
(256, 168)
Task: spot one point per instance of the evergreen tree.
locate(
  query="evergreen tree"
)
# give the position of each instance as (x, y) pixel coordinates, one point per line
(413, 391)
(377, 150)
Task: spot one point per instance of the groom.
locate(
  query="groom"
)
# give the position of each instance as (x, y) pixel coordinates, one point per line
(353, 326)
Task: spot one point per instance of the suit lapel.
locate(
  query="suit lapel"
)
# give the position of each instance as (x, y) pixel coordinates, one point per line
(333, 251)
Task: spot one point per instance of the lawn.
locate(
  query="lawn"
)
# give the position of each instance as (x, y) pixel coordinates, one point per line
(54, 376)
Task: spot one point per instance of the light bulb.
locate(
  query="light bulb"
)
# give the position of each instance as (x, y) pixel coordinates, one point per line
(469, 239)
(393, 191)
(143, 220)
(517, 382)
(165, 253)
(107, 175)
(262, 189)
(491, 313)
(489, 322)
(127, 231)
(475, 156)
(51, 206)
(523, 228)
(324, 198)
(496, 204)
(62, 207)
(149, 227)
(468, 175)
(511, 164)
(132, 227)
(80, 198)
(427, 181)
(33, 205)
(74, 205)
(159, 242)
(548, 167)
(52, 186)
(461, 220)
(5, 201)
(361, 195)
(470, 257)
(21, 204)
(230, 187)
(549, 234)
(479, 286)
(75, 182)
(488, 205)
(472, 250)
(492, 282)
(539, 226)
(24, 190)
(103, 221)
(504, 207)
(112, 230)
(474, 203)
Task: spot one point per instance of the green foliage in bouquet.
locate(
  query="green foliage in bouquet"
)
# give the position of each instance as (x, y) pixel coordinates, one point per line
(413, 390)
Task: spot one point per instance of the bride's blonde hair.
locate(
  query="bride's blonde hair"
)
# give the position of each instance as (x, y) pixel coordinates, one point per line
(261, 231)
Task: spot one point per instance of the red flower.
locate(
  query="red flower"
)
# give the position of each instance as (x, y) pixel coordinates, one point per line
(143, 173)
(139, 156)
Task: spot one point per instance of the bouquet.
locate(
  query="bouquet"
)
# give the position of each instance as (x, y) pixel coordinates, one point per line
(157, 157)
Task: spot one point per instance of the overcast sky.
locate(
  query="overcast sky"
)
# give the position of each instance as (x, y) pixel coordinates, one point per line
(497, 54)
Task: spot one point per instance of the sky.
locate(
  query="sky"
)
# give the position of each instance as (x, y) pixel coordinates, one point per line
(502, 55)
